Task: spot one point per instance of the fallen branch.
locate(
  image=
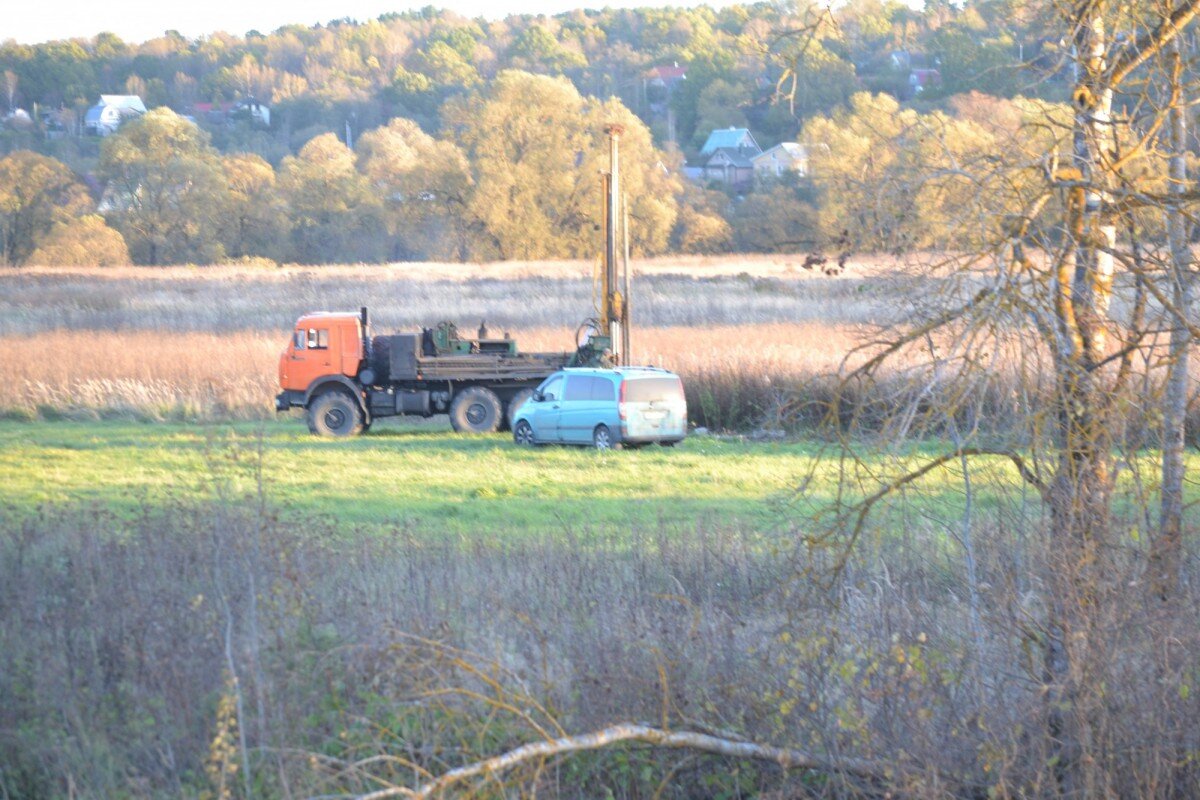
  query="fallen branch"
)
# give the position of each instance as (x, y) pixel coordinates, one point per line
(784, 757)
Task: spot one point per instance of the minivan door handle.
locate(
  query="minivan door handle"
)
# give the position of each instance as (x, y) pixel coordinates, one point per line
(554, 406)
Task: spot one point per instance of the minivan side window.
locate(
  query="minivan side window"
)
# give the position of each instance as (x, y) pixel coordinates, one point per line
(603, 390)
(551, 390)
(579, 387)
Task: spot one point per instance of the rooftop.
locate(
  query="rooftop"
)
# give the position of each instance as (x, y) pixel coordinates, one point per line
(729, 138)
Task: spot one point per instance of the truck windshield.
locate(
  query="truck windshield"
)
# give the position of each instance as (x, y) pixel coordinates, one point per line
(652, 390)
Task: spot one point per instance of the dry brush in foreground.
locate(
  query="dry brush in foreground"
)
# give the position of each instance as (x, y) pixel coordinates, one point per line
(215, 647)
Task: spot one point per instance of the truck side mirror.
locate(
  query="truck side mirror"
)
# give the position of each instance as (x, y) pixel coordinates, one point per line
(538, 396)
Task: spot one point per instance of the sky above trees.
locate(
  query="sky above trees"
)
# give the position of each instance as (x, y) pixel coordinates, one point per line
(139, 20)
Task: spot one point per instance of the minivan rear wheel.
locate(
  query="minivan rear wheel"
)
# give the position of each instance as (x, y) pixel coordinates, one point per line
(602, 439)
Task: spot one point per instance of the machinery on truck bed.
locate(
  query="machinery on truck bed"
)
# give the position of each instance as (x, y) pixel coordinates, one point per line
(345, 378)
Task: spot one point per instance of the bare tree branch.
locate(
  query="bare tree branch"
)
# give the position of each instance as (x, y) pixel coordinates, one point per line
(1153, 41)
(784, 757)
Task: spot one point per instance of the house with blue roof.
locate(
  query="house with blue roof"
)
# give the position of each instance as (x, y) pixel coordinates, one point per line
(739, 139)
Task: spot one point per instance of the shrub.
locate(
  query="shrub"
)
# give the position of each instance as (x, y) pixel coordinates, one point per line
(83, 242)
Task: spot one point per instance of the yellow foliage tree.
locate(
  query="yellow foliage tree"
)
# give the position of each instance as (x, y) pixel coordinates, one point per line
(36, 193)
(334, 213)
(83, 242)
(537, 147)
(424, 184)
(166, 192)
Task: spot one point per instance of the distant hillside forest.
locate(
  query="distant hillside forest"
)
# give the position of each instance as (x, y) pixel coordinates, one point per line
(429, 136)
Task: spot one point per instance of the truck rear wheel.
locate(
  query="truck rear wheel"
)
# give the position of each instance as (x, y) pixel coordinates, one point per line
(475, 410)
(335, 414)
(514, 405)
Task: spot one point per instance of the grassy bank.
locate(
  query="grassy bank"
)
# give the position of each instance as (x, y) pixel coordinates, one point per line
(421, 594)
(425, 479)
(419, 477)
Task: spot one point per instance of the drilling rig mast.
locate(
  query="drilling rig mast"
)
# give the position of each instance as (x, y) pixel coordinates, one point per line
(614, 310)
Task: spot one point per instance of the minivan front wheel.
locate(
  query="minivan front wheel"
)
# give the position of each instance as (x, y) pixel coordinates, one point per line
(602, 439)
(523, 434)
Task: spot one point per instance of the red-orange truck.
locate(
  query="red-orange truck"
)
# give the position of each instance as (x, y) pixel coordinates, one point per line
(345, 379)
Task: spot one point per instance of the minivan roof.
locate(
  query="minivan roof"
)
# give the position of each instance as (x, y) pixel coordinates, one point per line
(630, 372)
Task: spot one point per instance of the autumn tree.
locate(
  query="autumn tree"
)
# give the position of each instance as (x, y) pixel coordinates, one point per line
(718, 107)
(536, 147)
(36, 192)
(855, 157)
(82, 242)
(1058, 276)
(166, 192)
(701, 226)
(254, 222)
(423, 185)
(334, 211)
(775, 220)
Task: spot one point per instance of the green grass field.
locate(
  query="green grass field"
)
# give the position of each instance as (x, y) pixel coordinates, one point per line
(421, 477)
(425, 479)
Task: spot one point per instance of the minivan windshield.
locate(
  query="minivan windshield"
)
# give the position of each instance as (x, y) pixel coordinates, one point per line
(653, 390)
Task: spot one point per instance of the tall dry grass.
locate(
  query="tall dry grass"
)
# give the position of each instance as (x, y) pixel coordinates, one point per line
(736, 376)
(757, 339)
(139, 374)
(219, 300)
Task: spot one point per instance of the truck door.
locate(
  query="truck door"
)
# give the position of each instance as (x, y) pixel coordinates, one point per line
(310, 355)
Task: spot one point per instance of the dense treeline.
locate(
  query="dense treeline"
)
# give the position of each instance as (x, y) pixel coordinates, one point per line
(407, 65)
(514, 178)
(426, 135)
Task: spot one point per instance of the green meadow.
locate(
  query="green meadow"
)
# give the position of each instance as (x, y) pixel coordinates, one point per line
(427, 480)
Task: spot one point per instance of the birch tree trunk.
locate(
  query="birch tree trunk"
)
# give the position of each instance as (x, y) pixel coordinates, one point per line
(1167, 546)
(1080, 494)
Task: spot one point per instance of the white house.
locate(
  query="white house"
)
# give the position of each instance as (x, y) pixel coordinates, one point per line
(260, 113)
(18, 119)
(783, 157)
(106, 116)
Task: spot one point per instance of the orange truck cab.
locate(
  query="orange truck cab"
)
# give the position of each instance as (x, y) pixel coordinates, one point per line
(324, 357)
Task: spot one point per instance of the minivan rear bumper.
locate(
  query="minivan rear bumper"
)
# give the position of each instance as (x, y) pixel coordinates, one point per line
(651, 439)
(669, 436)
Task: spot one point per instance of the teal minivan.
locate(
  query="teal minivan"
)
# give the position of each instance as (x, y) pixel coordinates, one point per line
(604, 408)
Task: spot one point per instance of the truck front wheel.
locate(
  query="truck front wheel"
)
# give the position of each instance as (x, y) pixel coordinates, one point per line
(475, 410)
(335, 414)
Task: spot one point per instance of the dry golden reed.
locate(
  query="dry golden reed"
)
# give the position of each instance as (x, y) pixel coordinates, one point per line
(163, 375)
